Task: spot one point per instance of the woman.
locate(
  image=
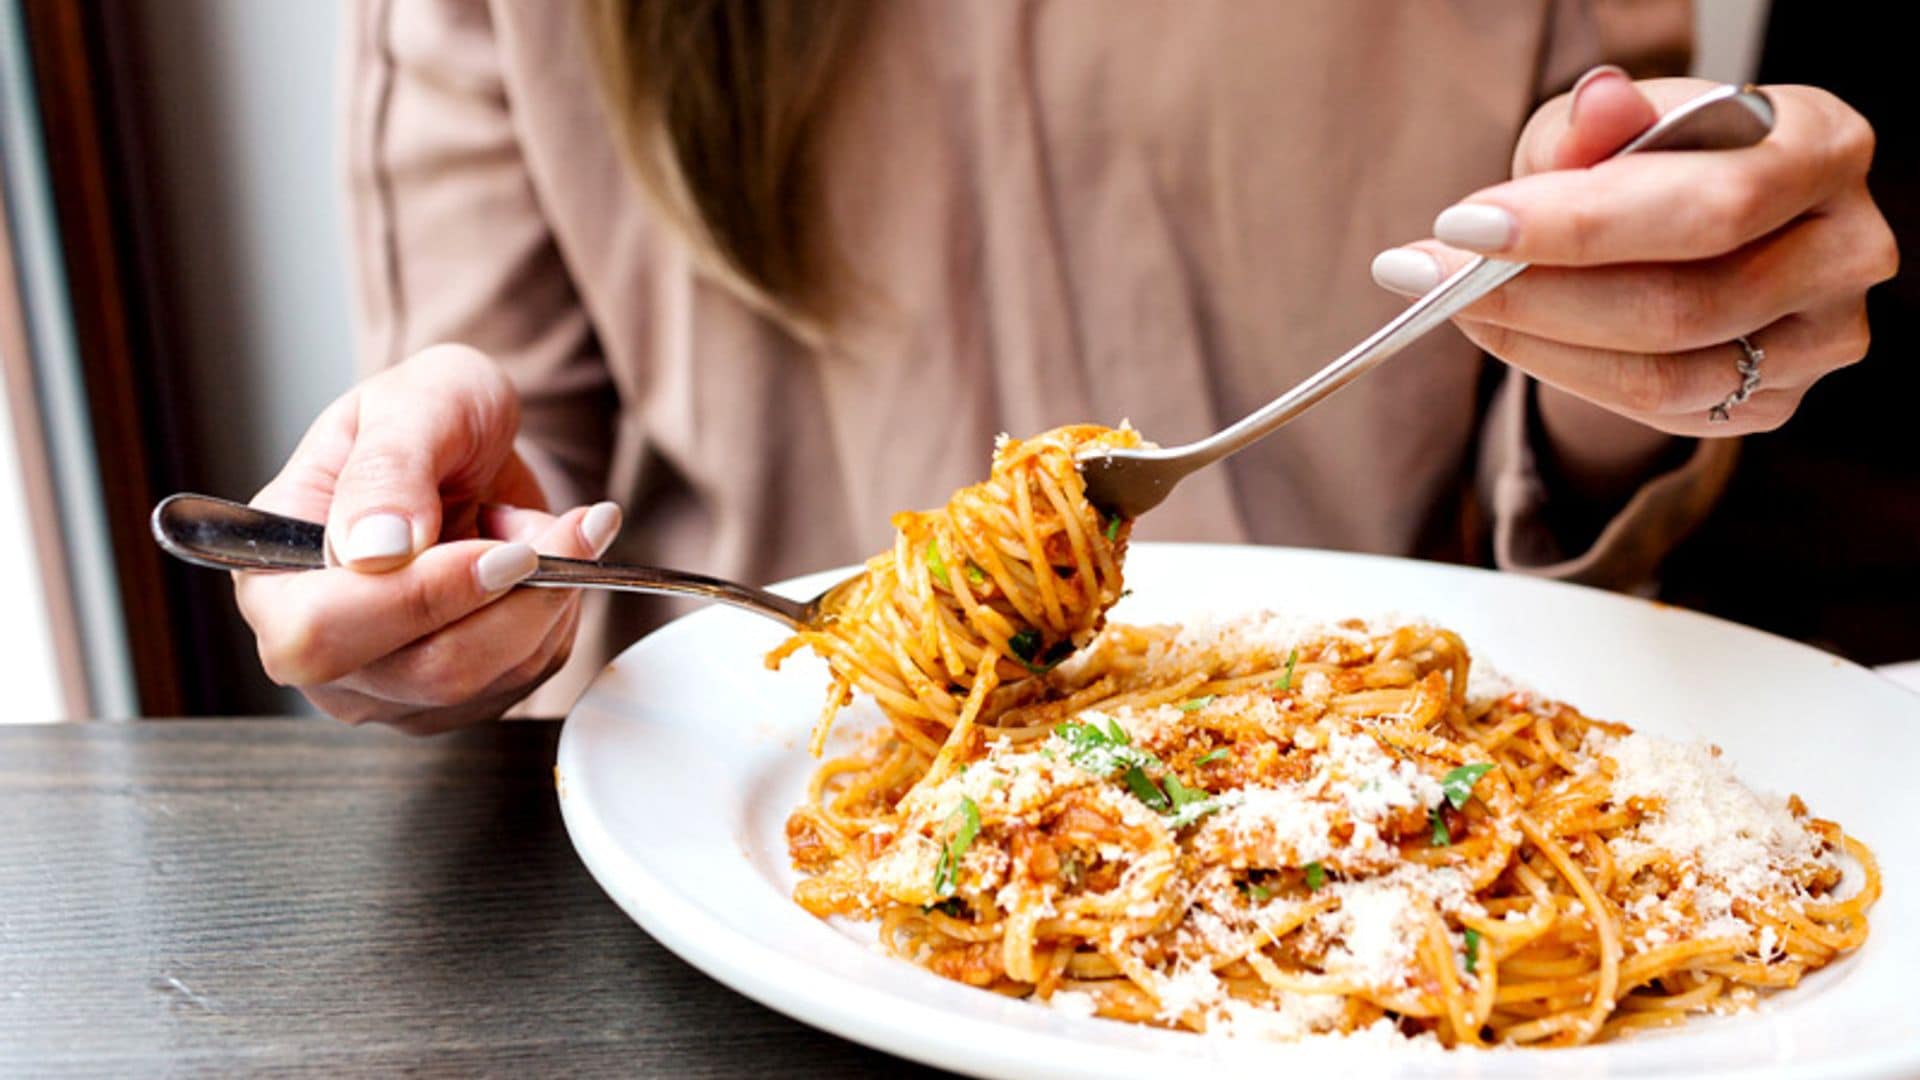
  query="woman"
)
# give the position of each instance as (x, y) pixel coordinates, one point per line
(764, 272)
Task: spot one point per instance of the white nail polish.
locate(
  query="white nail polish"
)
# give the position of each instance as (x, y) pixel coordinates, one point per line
(600, 526)
(1595, 74)
(1406, 270)
(375, 537)
(1475, 226)
(505, 566)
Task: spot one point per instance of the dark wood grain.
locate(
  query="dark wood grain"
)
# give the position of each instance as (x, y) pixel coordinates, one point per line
(291, 896)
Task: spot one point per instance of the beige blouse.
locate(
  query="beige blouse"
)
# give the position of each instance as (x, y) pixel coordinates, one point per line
(1056, 211)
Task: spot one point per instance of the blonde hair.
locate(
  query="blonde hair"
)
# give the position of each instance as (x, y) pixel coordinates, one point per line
(717, 104)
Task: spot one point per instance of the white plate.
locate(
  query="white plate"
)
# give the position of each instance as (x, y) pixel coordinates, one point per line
(678, 768)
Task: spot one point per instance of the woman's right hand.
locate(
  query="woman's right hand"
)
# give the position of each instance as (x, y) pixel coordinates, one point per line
(432, 517)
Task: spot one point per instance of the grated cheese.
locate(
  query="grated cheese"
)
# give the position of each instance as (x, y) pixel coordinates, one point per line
(1739, 841)
(1374, 929)
(1074, 1003)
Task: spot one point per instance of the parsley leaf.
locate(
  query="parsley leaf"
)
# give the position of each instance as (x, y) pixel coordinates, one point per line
(1473, 950)
(936, 564)
(1025, 647)
(1255, 892)
(1101, 753)
(1316, 877)
(1113, 528)
(969, 815)
(1441, 837)
(1196, 704)
(1107, 752)
(1189, 804)
(1145, 789)
(1285, 681)
(1458, 784)
(1192, 812)
(1180, 793)
(1071, 868)
(975, 574)
(1025, 644)
(1055, 653)
(946, 872)
(1214, 754)
(1083, 741)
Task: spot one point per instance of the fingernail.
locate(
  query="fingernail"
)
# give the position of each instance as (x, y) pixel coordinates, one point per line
(1475, 226)
(1604, 71)
(1406, 270)
(377, 536)
(505, 566)
(600, 526)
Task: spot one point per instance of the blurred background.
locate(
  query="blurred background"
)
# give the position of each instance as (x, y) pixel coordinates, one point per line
(174, 312)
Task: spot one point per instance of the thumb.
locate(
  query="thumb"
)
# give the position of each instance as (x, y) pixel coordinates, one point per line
(429, 435)
(1602, 113)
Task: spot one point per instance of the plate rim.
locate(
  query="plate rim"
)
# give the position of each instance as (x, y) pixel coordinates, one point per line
(788, 985)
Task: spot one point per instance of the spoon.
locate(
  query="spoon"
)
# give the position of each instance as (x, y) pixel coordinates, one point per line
(1132, 481)
(224, 535)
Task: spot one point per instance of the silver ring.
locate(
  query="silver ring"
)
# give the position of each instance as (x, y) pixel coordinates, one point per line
(1749, 368)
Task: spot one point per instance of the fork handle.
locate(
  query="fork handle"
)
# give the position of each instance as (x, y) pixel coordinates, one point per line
(225, 535)
(1725, 118)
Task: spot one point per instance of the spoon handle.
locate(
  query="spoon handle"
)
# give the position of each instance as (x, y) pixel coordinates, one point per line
(224, 535)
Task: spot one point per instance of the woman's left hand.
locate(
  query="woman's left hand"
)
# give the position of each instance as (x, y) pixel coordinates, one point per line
(1648, 267)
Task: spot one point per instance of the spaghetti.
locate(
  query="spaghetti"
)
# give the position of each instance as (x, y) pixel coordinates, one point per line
(1007, 579)
(1253, 829)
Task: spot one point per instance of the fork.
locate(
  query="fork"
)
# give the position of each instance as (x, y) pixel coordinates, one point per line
(224, 535)
(1131, 481)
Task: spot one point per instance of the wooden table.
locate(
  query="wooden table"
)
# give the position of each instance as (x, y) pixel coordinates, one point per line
(276, 895)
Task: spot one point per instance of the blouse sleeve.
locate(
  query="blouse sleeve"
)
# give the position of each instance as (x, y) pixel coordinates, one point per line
(449, 243)
(1628, 549)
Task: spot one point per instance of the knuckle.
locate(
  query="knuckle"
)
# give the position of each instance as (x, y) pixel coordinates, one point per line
(386, 466)
(1496, 306)
(1645, 384)
(421, 604)
(1850, 343)
(561, 655)
(1734, 210)
(1585, 231)
(449, 357)
(1768, 412)
(291, 652)
(1494, 338)
(355, 713)
(537, 668)
(443, 675)
(1681, 310)
(277, 665)
(527, 673)
(1880, 253)
(485, 385)
(1854, 142)
(245, 591)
